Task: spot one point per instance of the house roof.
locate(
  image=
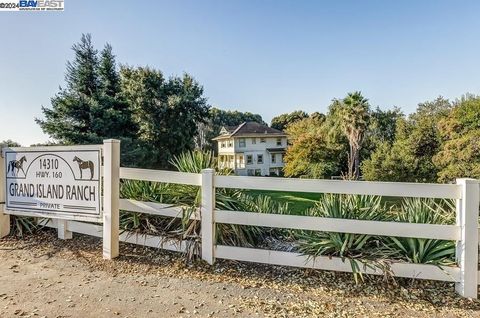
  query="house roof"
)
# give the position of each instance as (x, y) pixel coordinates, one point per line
(250, 128)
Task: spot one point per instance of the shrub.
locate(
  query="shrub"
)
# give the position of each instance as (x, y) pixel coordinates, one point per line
(189, 198)
(356, 248)
(426, 251)
(22, 225)
(341, 207)
(242, 235)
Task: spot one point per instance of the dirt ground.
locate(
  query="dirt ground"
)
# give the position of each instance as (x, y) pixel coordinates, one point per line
(42, 276)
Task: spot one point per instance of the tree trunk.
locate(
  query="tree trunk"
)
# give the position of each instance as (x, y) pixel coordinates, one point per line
(351, 163)
(354, 163)
(357, 164)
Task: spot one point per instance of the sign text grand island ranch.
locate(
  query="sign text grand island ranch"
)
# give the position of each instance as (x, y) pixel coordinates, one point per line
(57, 183)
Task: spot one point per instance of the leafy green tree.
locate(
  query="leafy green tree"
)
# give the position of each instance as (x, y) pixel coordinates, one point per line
(282, 121)
(8, 143)
(44, 144)
(90, 108)
(220, 117)
(166, 112)
(409, 156)
(353, 113)
(382, 126)
(315, 150)
(459, 155)
(318, 115)
(381, 129)
(392, 161)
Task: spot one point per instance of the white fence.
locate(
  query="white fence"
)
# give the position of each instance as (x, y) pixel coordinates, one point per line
(465, 232)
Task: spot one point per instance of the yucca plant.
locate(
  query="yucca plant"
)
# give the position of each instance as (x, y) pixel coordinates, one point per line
(22, 225)
(189, 199)
(242, 235)
(358, 249)
(425, 251)
(182, 228)
(194, 161)
(225, 199)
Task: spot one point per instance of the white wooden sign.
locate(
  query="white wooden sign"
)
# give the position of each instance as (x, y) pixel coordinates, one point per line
(60, 182)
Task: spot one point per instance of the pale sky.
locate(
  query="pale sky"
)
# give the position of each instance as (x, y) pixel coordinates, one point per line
(267, 57)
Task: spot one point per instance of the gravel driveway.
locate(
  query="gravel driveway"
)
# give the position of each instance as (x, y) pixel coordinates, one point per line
(41, 276)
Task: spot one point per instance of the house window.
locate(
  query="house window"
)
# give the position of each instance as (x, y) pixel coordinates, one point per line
(263, 140)
(230, 143)
(279, 141)
(274, 158)
(222, 144)
(240, 159)
(241, 142)
(259, 159)
(283, 157)
(249, 159)
(254, 140)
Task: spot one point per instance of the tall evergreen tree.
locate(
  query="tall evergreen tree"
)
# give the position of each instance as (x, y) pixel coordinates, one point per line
(69, 119)
(82, 75)
(107, 71)
(90, 108)
(112, 113)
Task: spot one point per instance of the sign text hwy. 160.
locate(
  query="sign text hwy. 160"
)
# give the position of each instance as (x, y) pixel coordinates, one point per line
(59, 183)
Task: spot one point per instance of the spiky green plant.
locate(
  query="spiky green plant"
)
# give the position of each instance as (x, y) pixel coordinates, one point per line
(189, 199)
(22, 225)
(341, 207)
(242, 235)
(425, 251)
(194, 161)
(358, 249)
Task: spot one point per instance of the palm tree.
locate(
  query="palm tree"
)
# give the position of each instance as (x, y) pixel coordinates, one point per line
(354, 114)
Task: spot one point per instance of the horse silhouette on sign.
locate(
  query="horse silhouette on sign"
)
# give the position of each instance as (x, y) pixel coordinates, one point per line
(16, 164)
(82, 165)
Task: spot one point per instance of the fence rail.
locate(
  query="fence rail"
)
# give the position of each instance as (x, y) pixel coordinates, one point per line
(423, 271)
(127, 237)
(161, 176)
(151, 208)
(393, 189)
(415, 230)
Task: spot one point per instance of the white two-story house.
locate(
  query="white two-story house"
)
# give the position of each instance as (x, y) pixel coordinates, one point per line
(251, 149)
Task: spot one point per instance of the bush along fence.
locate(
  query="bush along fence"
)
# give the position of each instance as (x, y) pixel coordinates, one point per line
(465, 192)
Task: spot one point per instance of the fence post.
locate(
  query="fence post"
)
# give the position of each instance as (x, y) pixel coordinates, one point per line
(467, 247)
(208, 223)
(62, 230)
(4, 218)
(111, 197)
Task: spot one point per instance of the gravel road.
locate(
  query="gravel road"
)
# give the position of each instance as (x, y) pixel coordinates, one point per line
(42, 276)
